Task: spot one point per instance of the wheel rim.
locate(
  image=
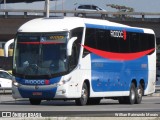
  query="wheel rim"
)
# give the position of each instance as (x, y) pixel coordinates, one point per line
(80, 15)
(132, 94)
(84, 95)
(139, 92)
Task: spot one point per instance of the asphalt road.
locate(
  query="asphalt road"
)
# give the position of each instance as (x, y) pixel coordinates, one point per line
(150, 106)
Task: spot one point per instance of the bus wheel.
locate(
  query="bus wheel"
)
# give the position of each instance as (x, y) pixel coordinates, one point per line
(35, 101)
(139, 94)
(84, 96)
(132, 96)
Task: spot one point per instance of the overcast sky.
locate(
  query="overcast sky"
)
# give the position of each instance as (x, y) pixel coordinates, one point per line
(138, 5)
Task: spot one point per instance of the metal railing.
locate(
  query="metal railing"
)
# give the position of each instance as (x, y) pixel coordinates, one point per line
(5, 90)
(26, 13)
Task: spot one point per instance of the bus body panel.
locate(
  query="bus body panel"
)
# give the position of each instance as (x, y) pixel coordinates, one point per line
(109, 75)
(150, 88)
(44, 89)
(106, 77)
(109, 78)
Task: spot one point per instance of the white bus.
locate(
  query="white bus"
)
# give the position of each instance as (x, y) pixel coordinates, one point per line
(84, 60)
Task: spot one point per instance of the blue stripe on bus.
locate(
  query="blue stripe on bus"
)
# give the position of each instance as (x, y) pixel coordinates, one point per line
(47, 93)
(138, 30)
(109, 75)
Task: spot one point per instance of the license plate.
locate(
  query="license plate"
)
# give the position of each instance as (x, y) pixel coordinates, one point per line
(37, 93)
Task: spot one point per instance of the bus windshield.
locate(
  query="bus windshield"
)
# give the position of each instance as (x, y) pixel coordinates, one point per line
(40, 55)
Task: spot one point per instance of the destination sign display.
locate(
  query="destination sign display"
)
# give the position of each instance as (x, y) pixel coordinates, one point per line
(56, 37)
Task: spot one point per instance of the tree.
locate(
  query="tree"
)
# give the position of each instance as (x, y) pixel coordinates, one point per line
(121, 9)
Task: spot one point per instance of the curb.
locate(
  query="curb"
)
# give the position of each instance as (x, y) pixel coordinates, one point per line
(156, 94)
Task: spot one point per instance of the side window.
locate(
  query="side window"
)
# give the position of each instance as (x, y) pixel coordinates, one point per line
(94, 8)
(135, 42)
(141, 42)
(77, 32)
(1, 75)
(114, 43)
(87, 7)
(80, 7)
(124, 44)
(6, 75)
(149, 41)
(90, 40)
(73, 59)
(101, 39)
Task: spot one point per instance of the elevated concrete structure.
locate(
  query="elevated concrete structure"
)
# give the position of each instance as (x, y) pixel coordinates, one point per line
(9, 26)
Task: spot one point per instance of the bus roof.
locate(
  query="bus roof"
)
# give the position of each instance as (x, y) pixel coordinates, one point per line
(51, 24)
(67, 24)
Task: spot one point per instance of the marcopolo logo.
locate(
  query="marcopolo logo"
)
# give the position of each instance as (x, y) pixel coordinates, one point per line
(35, 82)
(118, 34)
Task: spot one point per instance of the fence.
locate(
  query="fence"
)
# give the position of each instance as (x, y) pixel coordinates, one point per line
(39, 13)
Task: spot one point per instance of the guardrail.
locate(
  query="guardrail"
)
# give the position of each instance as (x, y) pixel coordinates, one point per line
(157, 88)
(26, 13)
(5, 90)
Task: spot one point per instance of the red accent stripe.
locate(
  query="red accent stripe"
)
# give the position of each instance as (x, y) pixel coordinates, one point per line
(124, 34)
(119, 56)
(37, 43)
(46, 82)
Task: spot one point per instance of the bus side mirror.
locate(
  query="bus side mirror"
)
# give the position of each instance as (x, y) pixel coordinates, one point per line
(69, 45)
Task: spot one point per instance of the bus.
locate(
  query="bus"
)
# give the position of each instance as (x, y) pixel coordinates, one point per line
(83, 59)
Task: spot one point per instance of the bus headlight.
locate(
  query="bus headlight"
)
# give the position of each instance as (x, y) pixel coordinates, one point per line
(15, 83)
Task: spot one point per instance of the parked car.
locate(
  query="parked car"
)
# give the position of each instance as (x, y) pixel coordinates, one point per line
(89, 8)
(5, 80)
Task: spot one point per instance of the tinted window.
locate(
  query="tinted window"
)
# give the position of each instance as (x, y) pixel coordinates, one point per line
(77, 32)
(87, 7)
(101, 39)
(81, 7)
(4, 75)
(94, 7)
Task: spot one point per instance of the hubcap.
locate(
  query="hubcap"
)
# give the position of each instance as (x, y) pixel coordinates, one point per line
(132, 94)
(139, 92)
(84, 95)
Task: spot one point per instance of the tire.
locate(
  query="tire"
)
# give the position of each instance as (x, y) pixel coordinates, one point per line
(93, 101)
(81, 15)
(103, 17)
(84, 96)
(35, 101)
(132, 95)
(139, 94)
